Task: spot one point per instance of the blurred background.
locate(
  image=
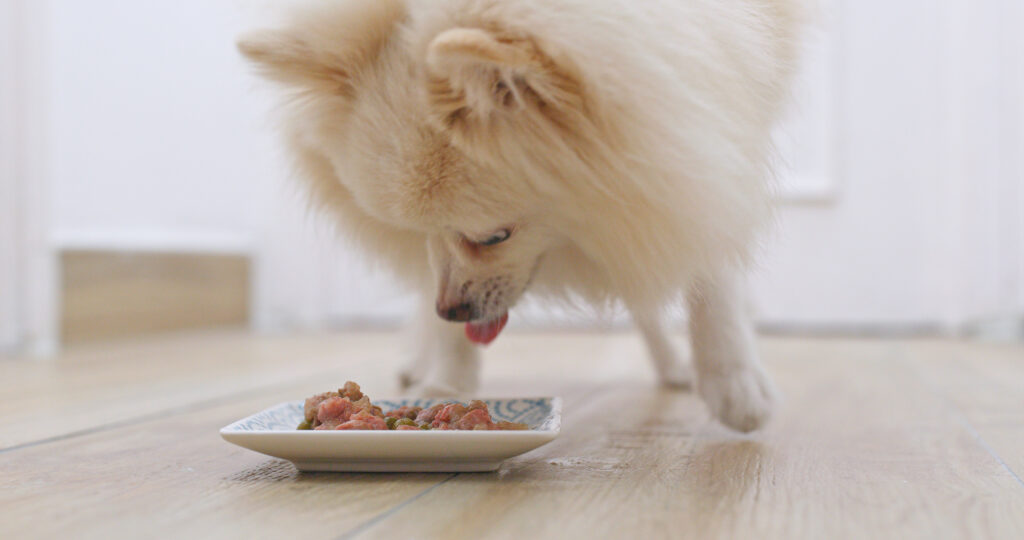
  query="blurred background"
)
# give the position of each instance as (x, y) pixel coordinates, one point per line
(142, 189)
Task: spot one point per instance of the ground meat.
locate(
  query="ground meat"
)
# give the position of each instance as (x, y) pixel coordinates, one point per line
(349, 408)
(475, 419)
(313, 403)
(333, 412)
(363, 404)
(404, 412)
(351, 390)
(450, 413)
(427, 415)
(364, 420)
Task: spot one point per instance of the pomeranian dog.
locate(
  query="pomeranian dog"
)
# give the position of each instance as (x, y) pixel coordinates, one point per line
(609, 150)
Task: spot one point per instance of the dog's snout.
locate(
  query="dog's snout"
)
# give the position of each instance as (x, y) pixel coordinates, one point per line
(456, 313)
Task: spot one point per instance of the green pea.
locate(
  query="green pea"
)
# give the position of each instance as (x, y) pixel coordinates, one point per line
(305, 425)
(391, 422)
(425, 426)
(405, 422)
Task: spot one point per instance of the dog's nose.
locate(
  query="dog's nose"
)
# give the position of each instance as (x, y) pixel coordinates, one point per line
(459, 313)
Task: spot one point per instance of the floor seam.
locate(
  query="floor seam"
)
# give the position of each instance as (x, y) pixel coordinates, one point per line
(961, 418)
(984, 444)
(192, 407)
(366, 525)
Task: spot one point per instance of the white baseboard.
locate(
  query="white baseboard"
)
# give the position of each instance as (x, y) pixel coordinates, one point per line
(1007, 329)
(154, 240)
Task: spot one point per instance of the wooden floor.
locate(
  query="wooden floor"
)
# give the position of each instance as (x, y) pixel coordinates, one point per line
(875, 439)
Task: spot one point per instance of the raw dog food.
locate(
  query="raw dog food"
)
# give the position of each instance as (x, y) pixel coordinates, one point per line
(350, 408)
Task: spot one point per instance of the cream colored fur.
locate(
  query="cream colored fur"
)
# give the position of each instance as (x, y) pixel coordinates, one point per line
(625, 144)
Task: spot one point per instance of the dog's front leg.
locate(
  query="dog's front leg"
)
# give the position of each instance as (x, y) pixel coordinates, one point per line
(729, 375)
(444, 363)
(672, 368)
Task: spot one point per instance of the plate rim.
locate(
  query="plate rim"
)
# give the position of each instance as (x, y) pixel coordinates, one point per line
(554, 428)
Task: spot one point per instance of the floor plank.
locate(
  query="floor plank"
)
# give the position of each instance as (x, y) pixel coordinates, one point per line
(91, 386)
(175, 478)
(984, 385)
(876, 439)
(861, 450)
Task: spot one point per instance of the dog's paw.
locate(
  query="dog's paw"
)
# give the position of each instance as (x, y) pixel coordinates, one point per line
(677, 375)
(742, 400)
(440, 376)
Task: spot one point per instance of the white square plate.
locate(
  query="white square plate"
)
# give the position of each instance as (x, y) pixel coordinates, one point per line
(272, 432)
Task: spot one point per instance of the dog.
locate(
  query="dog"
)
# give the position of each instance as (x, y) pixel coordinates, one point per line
(609, 150)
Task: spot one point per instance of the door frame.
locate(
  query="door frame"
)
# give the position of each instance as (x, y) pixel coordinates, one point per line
(10, 328)
(29, 313)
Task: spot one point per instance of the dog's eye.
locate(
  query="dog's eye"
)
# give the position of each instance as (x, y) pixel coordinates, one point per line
(496, 238)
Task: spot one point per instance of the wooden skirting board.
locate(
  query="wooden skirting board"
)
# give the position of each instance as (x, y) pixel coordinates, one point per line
(114, 294)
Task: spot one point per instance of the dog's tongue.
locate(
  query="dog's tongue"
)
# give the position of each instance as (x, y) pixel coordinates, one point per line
(485, 332)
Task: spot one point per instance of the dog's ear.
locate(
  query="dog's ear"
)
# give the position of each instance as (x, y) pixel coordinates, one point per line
(292, 61)
(476, 76)
(325, 45)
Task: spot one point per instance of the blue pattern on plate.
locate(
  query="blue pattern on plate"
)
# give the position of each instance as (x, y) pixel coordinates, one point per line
(537, 413)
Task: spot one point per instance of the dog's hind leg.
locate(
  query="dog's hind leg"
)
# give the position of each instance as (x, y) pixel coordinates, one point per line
(443, 362)
(729, 375)
(672, 368)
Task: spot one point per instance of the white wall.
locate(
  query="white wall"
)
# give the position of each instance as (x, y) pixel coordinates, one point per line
(136, 128)
(922, 233)
(864, 257)
(154, 135)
